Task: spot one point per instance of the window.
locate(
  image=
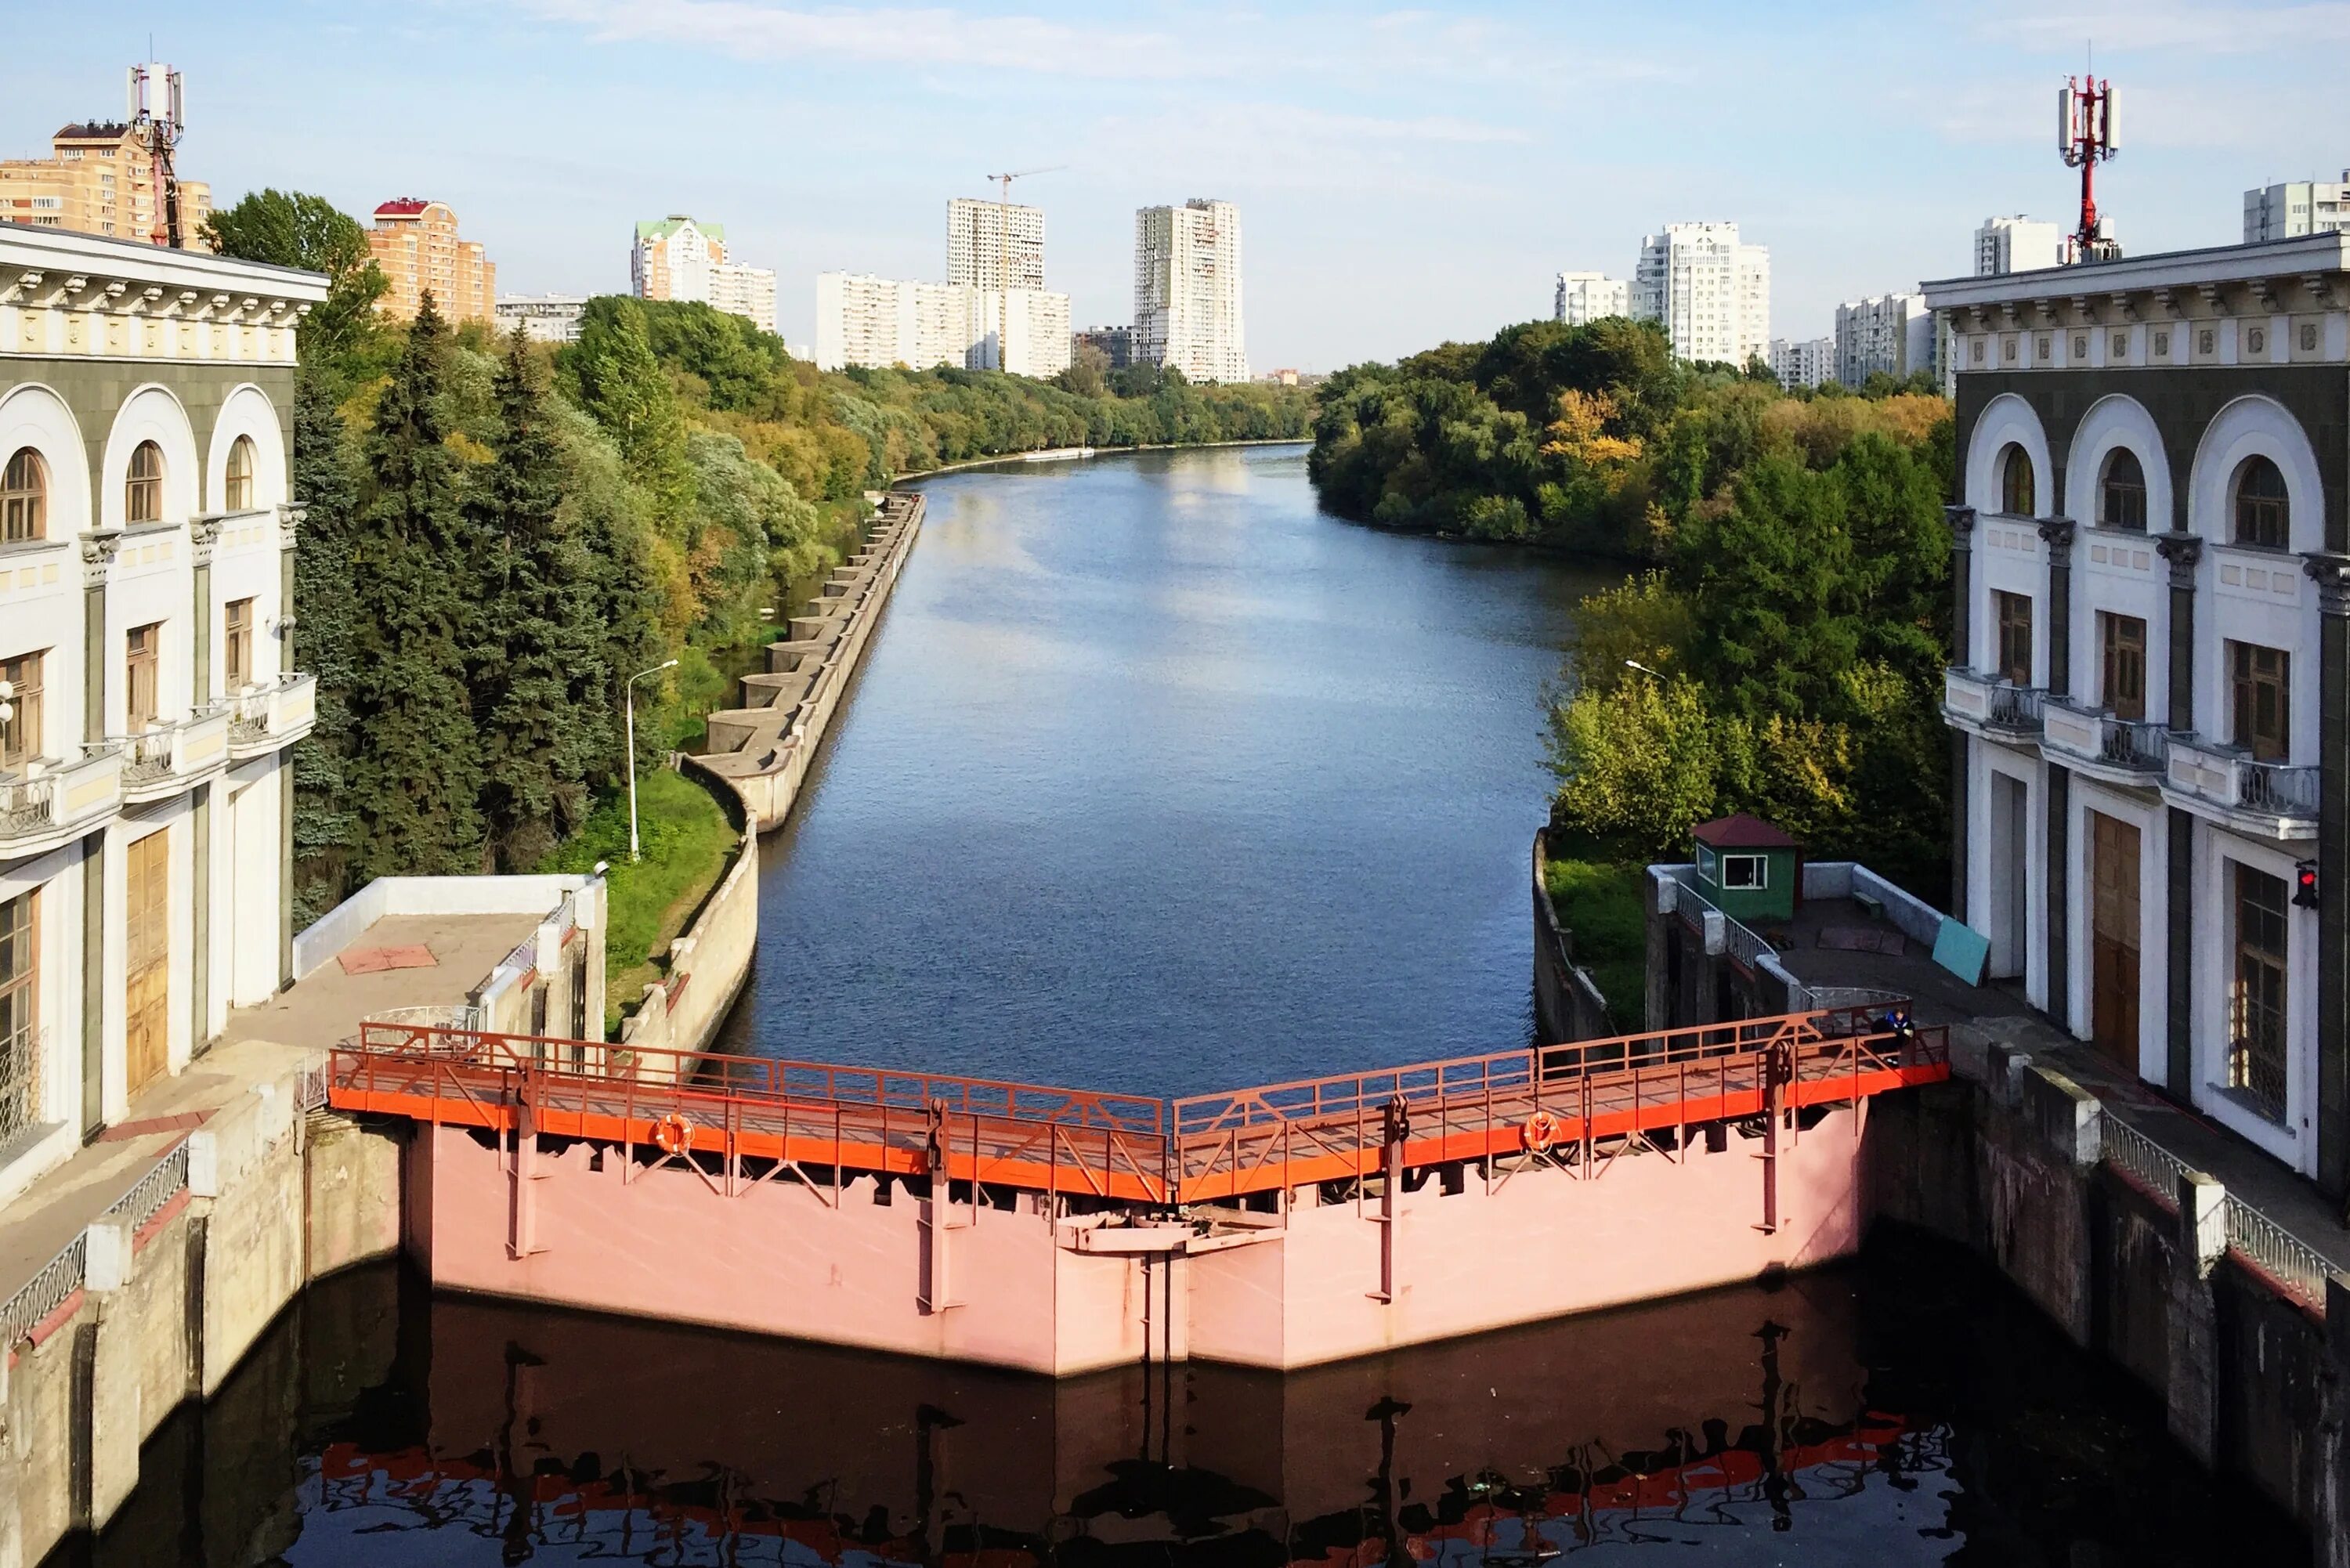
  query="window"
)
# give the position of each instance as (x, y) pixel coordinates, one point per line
(2256, 1064)
(2014, 612)
(142, 492)
(140, 654)
(2260, 681)
(24, 498)
(2015, 482)
(2121, 493)
(20, 732)
(2261, 505)
(236, 649)
(1745, 873)
(237, 496)
(20, 1004)
(2124, 650)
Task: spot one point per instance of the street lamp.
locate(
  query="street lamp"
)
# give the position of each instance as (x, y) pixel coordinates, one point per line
(1636, 664)
(630, 694)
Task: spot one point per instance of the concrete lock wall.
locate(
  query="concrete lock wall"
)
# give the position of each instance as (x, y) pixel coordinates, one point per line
(708, 965)
(275, 1197)
(1568, 1003)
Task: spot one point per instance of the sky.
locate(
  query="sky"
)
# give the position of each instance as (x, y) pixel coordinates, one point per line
(1404, 177)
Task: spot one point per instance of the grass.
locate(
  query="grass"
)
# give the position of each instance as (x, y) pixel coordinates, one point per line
(1600, 903)
(688, 843)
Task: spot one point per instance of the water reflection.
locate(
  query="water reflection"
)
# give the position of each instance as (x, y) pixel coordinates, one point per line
(1898, 1411)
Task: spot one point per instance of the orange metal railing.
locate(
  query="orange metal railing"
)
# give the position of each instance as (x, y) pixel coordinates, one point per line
(1075, 1142)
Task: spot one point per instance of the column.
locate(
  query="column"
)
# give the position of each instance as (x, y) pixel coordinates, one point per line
(201, 532)
(97, 562)
(2057, 533)
(289, 525)
(2185, 554)
(2332, 574)
(1962, 520)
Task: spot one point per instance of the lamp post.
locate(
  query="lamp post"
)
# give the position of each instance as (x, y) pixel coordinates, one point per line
(630, 704)
(1636, 664)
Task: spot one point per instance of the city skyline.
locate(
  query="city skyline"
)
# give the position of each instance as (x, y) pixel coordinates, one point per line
(1321, 127)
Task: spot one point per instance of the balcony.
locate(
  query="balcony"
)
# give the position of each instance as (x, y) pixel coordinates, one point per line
(51, 804)
(277, 713)
(168, 758)
(2266, 800)
(1990, 706)
(2095, 742)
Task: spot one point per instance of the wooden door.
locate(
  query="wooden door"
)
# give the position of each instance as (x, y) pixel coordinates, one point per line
(147, 983)
(2114, 938)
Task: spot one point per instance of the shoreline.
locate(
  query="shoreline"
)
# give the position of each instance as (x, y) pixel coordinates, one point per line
(1073, 454)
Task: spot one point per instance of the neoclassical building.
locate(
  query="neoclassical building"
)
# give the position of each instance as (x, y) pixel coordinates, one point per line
(2152, 760)
(147, 651)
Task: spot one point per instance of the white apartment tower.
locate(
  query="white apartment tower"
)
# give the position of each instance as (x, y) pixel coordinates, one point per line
(2003, 245)
(1802, 361)
(978, 257)
(1187, 290)
(2298, 207)
(677, 258)
(1590, 296)
(875, 323)
(1710, 291)
(1891, 332)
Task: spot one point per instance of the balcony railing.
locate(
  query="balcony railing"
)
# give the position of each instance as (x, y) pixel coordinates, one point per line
(2094, 735)
(1741, 942)
(20, 1079)
(1994, 703)
(2227, 777)
(165, 758)
(46, 803)
(267, 716)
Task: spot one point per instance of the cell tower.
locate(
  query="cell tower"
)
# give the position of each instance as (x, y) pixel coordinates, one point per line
(2084, 138)
(156, 121)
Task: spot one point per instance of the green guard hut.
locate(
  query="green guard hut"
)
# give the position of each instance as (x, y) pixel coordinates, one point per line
(1749, 869)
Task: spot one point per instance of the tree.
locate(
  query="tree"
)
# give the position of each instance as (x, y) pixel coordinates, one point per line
(415, 774)
(291, 228)
(1088, 373)
(537, 676)
(326, 829)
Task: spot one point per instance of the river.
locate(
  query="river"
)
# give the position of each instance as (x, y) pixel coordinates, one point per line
(1157, 779)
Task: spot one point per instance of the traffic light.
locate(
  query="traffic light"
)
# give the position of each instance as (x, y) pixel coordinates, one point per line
(2305, 884)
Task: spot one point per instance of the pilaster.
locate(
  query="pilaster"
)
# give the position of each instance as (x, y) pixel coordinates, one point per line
(2185, 554)
(2060, 819)
(203, 533)
(2332, 574)
(97, 564)
(1962, 520)
(2056, 533)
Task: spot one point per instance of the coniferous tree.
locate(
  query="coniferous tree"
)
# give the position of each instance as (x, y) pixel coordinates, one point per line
(325, 830)
(415, 770)
(538, 681)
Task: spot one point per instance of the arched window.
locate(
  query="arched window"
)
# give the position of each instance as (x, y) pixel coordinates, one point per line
(2261, 505)
(142, 492)
(2015, 484)
(2121, 493)
(24, 498)
(238, 492)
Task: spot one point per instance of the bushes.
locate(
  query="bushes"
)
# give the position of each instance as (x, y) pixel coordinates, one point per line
(1601, 903)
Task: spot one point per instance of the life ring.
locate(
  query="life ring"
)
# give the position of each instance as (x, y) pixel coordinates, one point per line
(1540, 1131)
(673, 1134)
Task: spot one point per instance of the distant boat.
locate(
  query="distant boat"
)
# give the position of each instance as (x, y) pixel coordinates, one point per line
(1057, 454)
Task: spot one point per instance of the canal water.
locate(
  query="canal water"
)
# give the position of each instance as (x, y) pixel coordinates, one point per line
(1158, 779)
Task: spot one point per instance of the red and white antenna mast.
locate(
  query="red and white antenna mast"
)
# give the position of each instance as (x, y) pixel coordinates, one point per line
(2084, 138)
(157, 119)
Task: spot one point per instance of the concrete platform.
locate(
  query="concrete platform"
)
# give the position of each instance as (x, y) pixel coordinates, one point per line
(326, 1006)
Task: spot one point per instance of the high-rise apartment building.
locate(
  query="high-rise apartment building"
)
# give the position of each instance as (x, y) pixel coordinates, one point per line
(2297, 207)
(1115, 344)
(1710, 290)
(1033, 325)
(1802, 361)
(878, 322)
(416, 243)
(542, 317)
(677, 258)
(2016, 244)
(1187, 290)
(99, 179)
(1892, 333)
(977, 256)
(1584, 296)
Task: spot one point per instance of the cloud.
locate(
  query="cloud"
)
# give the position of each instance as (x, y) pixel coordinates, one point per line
(897, 37)
(1261, 146)
(2166, 24)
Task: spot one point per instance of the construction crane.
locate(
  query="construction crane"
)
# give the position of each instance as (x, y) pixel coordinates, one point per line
(1004, 259)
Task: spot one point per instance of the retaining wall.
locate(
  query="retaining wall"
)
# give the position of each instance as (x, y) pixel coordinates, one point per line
(1568, 1003)
(708, 964)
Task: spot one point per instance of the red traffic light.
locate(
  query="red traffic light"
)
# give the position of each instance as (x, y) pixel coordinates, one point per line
(2304, 895)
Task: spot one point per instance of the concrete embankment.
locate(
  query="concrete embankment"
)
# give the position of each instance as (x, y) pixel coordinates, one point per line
(765, 747)
(1568, 1003)
(708, 965)
(2242, 1333)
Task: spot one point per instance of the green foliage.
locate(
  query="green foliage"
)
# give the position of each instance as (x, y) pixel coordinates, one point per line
(1603, 904)
(289, 228)
(326, 829)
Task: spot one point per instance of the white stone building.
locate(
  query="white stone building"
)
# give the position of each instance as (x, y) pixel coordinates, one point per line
(1892, 333)
(1187, 290)
(1582, 296)
(976, 256)
(1710, 289)
(2016, 244)
(2295, 208)
(2152, 582)
(543, 317)
(1802, 361)
(148, 644)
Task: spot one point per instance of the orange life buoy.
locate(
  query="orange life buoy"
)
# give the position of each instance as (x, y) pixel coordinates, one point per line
(673, 1134)
(1540, 1131)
